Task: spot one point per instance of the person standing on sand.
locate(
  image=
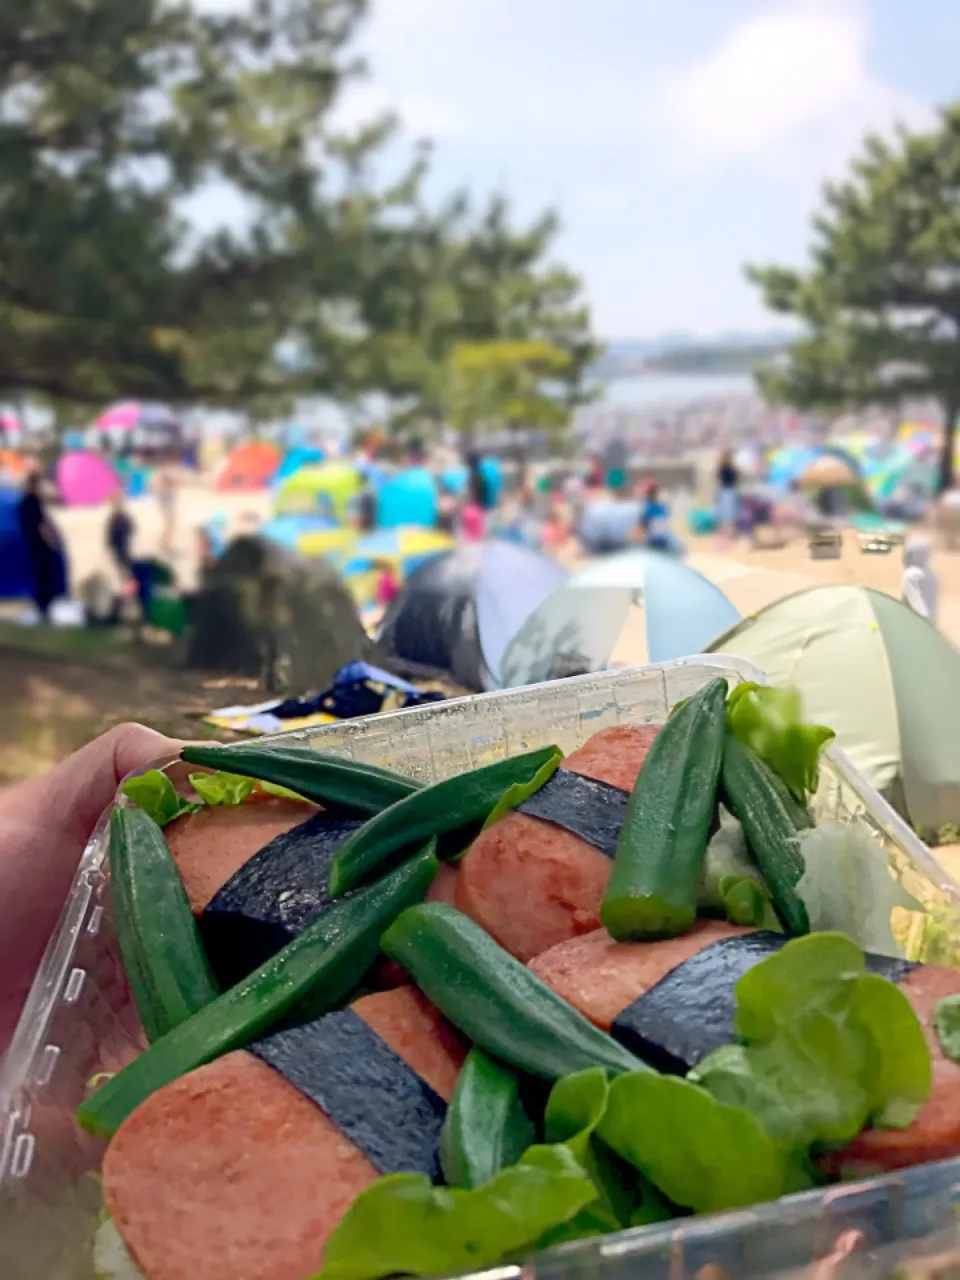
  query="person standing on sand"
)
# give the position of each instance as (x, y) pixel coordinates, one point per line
(43, 545)
(166, 489)
(728, 497)
(120, 531)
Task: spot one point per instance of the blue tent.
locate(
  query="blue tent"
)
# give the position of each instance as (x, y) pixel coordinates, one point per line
(595, 612)
(16, 573)
(458, 612)
(409, 498)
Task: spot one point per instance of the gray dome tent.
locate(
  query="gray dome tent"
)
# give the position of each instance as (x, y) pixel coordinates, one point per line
(267, 613)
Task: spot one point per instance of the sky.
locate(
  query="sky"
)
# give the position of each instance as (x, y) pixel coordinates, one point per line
(677, 138)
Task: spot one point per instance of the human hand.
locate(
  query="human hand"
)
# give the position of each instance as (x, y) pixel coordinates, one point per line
(45, 824)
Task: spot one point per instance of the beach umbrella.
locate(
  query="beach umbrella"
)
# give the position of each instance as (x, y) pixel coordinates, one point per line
(329, 489)
(884, 679)
(409, 498)
(788, 464)
(248, 467)
(456, 614)
(86, 479)
(628, 609)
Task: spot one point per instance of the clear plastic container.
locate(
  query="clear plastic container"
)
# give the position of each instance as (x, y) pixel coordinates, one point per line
(78, 1019)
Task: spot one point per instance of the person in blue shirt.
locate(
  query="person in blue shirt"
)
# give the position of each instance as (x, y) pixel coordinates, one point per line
(654, 526)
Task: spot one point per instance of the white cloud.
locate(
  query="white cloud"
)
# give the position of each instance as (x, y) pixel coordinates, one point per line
(789, 86)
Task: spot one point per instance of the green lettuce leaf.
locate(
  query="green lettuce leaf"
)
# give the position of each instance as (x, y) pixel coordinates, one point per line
(402, 1224)
(701, 1153)
(946, 1023)
(156, 795)
(222, 788)
(575, 1108)
(848, 886)
(826, 1047)
(520, 791)
(769, 720)
(282, 793)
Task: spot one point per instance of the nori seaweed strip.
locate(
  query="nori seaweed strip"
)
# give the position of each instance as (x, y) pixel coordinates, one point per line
(689, 1013)
(272, 898)
(592, 810)
(367, 1090)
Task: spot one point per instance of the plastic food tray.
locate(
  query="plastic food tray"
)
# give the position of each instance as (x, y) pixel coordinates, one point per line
(77, 1021)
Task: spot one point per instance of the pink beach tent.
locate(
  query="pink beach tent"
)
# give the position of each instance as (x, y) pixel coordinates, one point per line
(85, 479)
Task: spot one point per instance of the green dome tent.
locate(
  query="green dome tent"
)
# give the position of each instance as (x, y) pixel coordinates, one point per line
(881, 676)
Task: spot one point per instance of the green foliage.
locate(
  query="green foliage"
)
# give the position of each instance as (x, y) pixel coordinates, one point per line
(122, 119)
(880, 304)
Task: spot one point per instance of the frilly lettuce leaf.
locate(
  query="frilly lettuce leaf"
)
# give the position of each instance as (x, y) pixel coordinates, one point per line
(701, 1153)
(848, 886)
(769, 720)
(221, 788)
(402, 1224)
(156, 795)
(111, 1261)
(826, 1047)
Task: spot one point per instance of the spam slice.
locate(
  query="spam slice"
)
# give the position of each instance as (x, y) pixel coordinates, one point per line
(601, 978)
(232, 1173)
(532, 884)
(675, 1012)
(212, 845)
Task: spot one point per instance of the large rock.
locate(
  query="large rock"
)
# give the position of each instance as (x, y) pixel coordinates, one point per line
(267, 613)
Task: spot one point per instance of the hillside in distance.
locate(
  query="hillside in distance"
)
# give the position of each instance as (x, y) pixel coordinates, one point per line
(733, 352)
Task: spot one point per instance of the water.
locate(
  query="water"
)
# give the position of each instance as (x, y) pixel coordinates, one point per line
(674, 389)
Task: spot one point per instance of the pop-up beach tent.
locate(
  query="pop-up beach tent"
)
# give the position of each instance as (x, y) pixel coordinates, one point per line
(85, 479)
(457, 613)
(879, 675)
(627, 609)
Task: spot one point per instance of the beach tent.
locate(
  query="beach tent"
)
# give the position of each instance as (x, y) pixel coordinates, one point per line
(409, 498)
(878, 674)
(404, 549)
(297, 458)
(288, 531)
(629, 609)
(249, 466)
(328, 489)
(607, 524)
(13, 466)
(85, 479)
(457, 613)
(16, 573)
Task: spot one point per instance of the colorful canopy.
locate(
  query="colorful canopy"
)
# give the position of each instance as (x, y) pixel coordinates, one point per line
(85, 479)
(631, 608)
(881, 676)
(249, 466)
(327, 489)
